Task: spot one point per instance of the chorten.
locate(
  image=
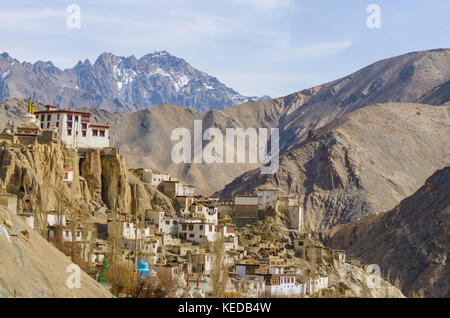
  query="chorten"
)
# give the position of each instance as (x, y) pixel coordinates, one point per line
(30, 125)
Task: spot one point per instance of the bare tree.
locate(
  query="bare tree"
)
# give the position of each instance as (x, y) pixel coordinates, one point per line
(219, 271)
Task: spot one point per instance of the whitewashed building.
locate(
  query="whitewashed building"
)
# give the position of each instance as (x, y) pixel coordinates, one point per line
(267, 196)
(277, 282)
(167, 224)
(159, 177)
(197, 231)
(74, 127)
(315, 285)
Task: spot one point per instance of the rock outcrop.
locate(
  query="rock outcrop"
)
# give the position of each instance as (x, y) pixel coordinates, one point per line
(35, 174)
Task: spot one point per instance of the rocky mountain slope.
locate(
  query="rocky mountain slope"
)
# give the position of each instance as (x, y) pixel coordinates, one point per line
(366, 161)
(144, 137)
(122, 84)
(410, 241)
(437, 96)
(32, 267)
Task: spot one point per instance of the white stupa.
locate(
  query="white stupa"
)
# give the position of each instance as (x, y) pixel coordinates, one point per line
(30, 125)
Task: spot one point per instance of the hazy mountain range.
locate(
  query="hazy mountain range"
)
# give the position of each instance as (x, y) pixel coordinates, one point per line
(120, 84)
(144, 136)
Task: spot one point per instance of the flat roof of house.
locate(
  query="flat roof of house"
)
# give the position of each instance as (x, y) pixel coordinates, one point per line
(62, 111)
(98, 126)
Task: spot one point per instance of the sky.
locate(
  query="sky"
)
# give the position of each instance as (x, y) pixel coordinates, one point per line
(257, 47)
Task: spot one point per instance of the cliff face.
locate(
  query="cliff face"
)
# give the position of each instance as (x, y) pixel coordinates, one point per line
(100, 178)
(35, 174)
(410, 241)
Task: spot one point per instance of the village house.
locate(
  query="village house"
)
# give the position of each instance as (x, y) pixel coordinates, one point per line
(277, 283)
(315, 285)
(196, 231)
(28, 217)
(169, 240)
(249, 287)
(185, 202)
(98, 252)
(165, 223)
(339, 255)
(230, 237)
(201, 262)
(174, 188)
(245, 210)
(267, 196)
(204, 211)
(159, 177)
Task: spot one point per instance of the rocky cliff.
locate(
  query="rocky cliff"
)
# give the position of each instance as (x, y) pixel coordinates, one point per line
(100, 178)
(410, 241)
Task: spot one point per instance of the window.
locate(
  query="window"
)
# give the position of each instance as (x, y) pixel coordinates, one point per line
(183, 227)
(49, 117)
(210, 227)
(84, 133)
(102, 133)
(191, 227)
(175, 222)
(167, 222)
(42, 125)
(84, 126)
(42, 117)
(69, 124)
(76, 118)
(69, 117)
(95, 132)
(69, 132)
(191, 235)
(57, 124)
(201, 227)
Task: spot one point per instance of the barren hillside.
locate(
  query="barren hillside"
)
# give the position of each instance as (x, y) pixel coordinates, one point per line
(410, 241)
(366, 161)
(32, 267)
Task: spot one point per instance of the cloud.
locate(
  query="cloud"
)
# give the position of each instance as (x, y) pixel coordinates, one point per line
(29, 19)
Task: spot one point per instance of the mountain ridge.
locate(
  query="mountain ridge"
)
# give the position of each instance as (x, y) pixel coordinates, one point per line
(117, 83)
